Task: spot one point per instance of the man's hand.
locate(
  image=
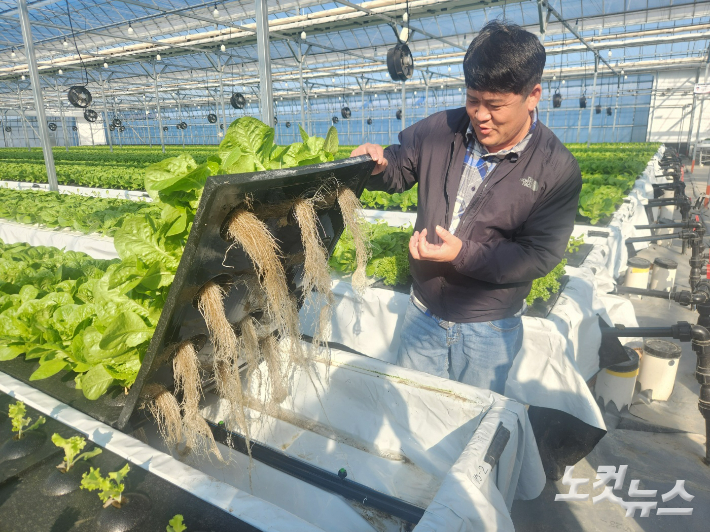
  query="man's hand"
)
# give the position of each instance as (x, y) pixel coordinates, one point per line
(423, 250)
(376, 152)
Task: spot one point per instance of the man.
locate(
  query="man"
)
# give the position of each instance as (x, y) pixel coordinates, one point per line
(497, 199)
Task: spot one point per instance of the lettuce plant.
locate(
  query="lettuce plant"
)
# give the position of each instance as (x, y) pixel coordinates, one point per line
(176, 524)
(20, 423)
(110, 487)
(72, 447)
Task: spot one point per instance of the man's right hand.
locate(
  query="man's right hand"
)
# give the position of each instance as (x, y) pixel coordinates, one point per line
(376, 152)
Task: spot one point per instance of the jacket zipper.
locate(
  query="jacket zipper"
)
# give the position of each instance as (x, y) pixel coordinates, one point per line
(446, 180)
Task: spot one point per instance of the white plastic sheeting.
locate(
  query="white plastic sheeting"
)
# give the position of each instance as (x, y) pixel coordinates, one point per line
(404, 433)
(250, 509)
(96, 246)
(134, 195)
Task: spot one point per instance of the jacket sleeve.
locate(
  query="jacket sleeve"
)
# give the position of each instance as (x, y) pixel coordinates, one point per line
(537, 248)
(401, 171)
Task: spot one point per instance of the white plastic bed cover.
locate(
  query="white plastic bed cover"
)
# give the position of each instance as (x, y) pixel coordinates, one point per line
(407, 434)
(133, 195)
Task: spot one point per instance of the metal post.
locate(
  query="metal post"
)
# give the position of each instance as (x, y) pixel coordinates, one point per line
(22, 118)
(147, 125)
(549, 103)
(616, 112)
(220, 67)
(61, 114)
(692, 115)
(309, 129)
(264, 55)
(594, 93)
(300, 81)
(404, 106)
(700, 113)
(4, 123)
(182, 131)
(157, 107)
(362, 110)
(426, 95)
(103, 97)
(37, 93)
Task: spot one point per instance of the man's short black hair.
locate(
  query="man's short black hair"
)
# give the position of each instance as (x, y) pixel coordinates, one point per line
(504, 58)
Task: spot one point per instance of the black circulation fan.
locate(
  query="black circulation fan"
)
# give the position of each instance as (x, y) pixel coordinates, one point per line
(336, 120)
(116, 122)
(345, 112)
(598, 109)
(111, 126)
(52, 126)
(608, 111)
(369, 121)
(90, 115)
(8, 129)
(276, 120)
(79, 96)
(400, 63)
(238, 100)
(122, 129)
(557, 99)
(165, 128)
(583, 102)
(182, 125)
(74, 128)
(221, 126)
(398, 114)
(212, 118)
(288, 124)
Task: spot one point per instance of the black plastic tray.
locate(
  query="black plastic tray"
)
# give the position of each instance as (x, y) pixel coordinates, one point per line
(207, 255)
(35, 496)
(540, 308)
(576, 259)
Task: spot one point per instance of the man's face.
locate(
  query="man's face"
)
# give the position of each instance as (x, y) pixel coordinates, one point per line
(499, 119)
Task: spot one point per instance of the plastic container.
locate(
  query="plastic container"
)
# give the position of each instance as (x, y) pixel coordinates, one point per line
(658, 369)
(663, 277)
(668, 231)
(616, 383)
(667, 211)
(637, 272)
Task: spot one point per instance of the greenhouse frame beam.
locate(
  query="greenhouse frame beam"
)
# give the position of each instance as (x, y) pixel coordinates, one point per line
(579, 37)
(37, 93)
(264, 53)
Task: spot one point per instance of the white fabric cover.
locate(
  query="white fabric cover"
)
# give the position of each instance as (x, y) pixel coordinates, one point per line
(134, 195)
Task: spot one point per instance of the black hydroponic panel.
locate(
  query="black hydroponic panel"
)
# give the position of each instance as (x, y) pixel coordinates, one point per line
(576, 258)
(206, 257)
(36, 496)
(540, 308)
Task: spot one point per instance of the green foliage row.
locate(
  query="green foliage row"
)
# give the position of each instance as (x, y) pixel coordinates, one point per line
(96, 318)
(79, 213)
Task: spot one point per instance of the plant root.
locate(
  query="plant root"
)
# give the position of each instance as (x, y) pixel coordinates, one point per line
(351, 209)
(270, 351)
(165, 409)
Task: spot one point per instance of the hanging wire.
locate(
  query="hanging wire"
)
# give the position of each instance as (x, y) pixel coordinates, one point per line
(73, 36)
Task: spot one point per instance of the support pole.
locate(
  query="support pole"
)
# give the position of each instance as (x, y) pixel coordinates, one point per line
(37, 93)
(182, 131)
(362, 109)
(404, 106)
(22, 118)
(220, 67)
(147, 125)
(692, 115)
(103, 97)
(594, 93)
(264, 55)
(61, 114)
(700, 116)
(157, 108)
(616, 107)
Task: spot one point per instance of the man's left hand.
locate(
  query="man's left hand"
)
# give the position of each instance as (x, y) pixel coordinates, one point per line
(423, 250)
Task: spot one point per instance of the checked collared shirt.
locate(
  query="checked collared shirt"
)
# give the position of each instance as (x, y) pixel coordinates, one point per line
(478, 164)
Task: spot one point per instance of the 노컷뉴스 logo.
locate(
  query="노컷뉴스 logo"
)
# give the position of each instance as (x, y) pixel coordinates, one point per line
(606, 474)
(530, 183)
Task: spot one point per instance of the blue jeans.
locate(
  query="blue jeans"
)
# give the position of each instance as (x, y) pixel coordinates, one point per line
(479, 354)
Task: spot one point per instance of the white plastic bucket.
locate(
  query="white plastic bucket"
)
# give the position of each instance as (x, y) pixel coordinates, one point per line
(637, 272)
(663, 277)
(668, 231)
(667, 211)
(658, 369)
(616, 383)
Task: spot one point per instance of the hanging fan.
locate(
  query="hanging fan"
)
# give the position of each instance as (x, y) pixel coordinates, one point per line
(183, 125)
(90, 115)
(8, 129)
(288, 124)
(400, 63)
(276, 120)
(79, 96)
(116, 122)
(221, 126)
(335, 120)
(111, 126)
(608, 111)
(165, 128)
(369, 121)
(122, 129)
(583, 102)
(177, 126)
(598, 109)
(557, 99)
(74, 128)
(238, 100)
(345, 112)
(52, 126)
(398, 114)
(212, 118)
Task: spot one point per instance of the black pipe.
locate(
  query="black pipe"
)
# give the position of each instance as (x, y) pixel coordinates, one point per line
(662, 294)
(674, 225)
(653, 238)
